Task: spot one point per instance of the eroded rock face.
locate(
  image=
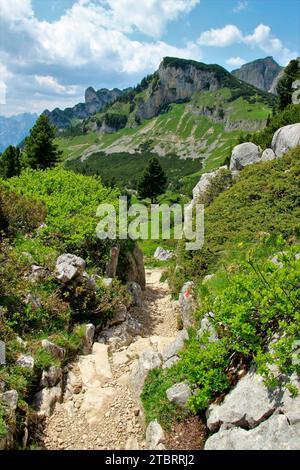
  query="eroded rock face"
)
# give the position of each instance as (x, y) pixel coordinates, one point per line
(132, 268)
(10, 399)
(51, 377)
(260, 73)
(45, 400)
(243, 155)
(172, 349)
(88, 338)
(25, 361)
(285, 138)
(56, 351)
(136, 293)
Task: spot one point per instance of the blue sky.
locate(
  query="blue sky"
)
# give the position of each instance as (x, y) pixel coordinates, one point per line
(51, 50)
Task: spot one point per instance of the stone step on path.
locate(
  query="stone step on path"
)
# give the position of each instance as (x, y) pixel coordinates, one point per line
(99, 411)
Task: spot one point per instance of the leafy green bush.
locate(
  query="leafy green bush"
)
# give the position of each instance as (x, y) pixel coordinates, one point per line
(259, 305)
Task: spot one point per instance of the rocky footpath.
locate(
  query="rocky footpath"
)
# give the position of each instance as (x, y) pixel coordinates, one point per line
(100, 407)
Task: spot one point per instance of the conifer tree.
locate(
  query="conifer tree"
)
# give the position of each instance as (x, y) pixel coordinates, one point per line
(153, 182)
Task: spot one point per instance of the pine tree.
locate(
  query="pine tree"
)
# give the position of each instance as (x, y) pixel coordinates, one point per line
(10, 162)
(153, 182)
(40, 148)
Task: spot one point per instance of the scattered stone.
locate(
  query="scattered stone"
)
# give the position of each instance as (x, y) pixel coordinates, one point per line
(206, 326)
(276, 433)
(148, 360)
(56, 351)
(154, 436)
(132, 444)
(243, 155)
(88, 338)
(170, 362)
(179, 394)
(51, 377)
(163, 255)
(25, 361)
(175, 346)
(119, 316)
(268, 155)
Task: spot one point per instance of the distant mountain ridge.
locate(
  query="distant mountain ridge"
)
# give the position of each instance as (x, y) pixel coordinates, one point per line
(14, 129)
(261, 73)
(95, 101)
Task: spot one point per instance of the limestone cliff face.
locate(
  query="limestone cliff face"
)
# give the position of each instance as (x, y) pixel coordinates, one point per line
(175, 83)
(96, 100)
(260, 73)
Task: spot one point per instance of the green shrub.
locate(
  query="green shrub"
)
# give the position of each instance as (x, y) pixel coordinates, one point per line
(259, 304)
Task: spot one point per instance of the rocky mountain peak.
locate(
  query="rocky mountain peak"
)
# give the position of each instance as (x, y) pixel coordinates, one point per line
(260, 73)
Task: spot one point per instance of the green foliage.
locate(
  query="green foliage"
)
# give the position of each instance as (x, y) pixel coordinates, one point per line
(3, 428)
(260, 303)
(216, 186)
(40, 148)
(153, 182)
(115, 121)
(10, 162)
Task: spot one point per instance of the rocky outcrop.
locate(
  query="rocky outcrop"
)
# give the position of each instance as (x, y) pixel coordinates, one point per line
(285, 138)
(95, 101)
(246, 418)
(69, 267)
(147, 361)
(243, 155)
(268, 155)
(260, 73)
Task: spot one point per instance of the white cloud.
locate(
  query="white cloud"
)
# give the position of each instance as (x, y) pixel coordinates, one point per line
(51, 84)
(222, 37)
(262, 38)
(15, 10)
(241, 6)
(5, 75)
(235, 61)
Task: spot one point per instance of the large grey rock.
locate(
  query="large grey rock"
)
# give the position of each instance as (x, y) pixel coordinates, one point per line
(286, 138)
(111, 266)
(276, 433)
(45, 400)
(51, 377)
(243, 155)
(120, 315)
(154, 436)
(163, 255)
(204, 183)
(187, 304)
(251, 402)
(68, 267)
(132, 267)
(25, 361)
(172, 349)
(120, 335)
(136, 293)
(179, 394)
(10, 399)
(147, 361)
(56, 351)
(268, 155)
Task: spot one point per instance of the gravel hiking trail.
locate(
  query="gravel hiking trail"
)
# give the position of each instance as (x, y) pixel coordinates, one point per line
(103, 414)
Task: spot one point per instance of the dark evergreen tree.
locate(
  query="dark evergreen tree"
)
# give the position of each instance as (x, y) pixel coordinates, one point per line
(153, 182)
(10, 162)
(40, 148)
